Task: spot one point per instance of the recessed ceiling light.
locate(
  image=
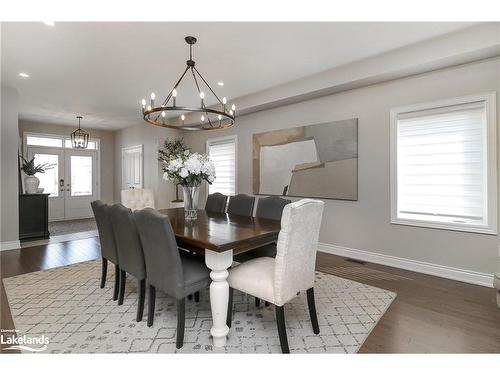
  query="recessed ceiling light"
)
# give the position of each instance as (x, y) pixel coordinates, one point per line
(220, 83)
(49, 23)
(24, 75)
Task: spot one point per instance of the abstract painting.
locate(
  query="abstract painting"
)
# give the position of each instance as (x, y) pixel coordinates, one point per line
(316, 161)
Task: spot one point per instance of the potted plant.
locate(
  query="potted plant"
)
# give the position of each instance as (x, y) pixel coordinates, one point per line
(31, 182)
(188, 169)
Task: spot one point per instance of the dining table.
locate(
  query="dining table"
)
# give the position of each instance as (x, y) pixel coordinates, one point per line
(218, 237)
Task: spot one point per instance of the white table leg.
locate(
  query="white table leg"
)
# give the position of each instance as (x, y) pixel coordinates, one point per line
(219, 293)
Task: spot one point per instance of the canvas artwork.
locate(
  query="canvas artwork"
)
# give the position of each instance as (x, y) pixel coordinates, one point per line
(316, 161)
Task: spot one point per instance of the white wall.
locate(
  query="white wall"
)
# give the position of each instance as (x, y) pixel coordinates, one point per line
(152, 138)
(9, 173)
(107, 147)
(365, 224)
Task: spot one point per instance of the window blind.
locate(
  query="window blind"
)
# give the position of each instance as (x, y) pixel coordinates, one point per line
(441, 164)
(223, 155)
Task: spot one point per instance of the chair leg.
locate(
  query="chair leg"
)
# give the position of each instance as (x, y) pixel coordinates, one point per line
(257, 302)
(151, 304)
(117, 283)
(181, 312)
(312, 310)
(140, 301)
(104, 272)
(229, 316)
(123, 279)
(280, 320)
(197, 297)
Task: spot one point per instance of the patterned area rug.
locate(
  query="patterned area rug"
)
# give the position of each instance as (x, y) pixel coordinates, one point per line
(57, 228)
(67, 306)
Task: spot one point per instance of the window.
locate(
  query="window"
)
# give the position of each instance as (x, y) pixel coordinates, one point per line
(49, 180)
(47, 141)
(92, 145)
(56, 141)
(81, 175)
(222, 152)
(443, 165)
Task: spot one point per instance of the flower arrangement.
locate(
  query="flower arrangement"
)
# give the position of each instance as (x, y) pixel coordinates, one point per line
(183, 167)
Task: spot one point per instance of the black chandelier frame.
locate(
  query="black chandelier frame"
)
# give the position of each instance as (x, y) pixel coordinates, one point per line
(79, 138)
(153, 115)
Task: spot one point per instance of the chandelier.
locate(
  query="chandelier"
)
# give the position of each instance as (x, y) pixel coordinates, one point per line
(79, 138)
(170, 115)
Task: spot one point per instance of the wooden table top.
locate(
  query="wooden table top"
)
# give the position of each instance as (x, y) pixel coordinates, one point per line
(222, 232)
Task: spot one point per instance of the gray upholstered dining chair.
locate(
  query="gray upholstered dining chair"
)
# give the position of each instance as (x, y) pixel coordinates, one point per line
(267, 208)
(176, 275)
(129, 248)
(241, 204)
(279, 280)
(107, 240)
(216, 202)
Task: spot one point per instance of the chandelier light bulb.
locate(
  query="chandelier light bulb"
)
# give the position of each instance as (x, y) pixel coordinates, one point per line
(174, 93)
(153, 96)
(220, 117)
(202, 95)
(183, 118)
(202, 118)
(143, 102)
(224, 100)
(231, 112)
(233, 107)
(163, 114)
(149, 107)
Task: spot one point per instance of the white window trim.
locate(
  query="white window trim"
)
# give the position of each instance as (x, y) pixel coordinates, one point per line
(491, 124)
(59, 136)
(229, 137)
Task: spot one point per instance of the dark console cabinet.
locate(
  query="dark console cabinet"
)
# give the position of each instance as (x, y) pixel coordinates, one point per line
(33, 216)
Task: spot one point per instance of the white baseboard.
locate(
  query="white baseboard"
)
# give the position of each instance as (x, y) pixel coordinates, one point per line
(471, 277)
(9, 245)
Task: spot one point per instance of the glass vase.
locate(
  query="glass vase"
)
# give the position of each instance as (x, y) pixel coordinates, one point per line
(190, 202)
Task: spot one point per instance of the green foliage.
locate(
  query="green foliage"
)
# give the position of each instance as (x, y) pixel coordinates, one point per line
(171, 149)
(30, 168)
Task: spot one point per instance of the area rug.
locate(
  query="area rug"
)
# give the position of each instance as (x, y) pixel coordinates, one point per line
(66, 306)
(57, 228)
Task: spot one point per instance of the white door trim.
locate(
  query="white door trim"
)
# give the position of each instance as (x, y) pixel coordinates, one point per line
(63, 137)
(140, 148)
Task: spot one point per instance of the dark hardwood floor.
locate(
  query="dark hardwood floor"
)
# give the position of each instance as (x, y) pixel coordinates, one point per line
(429, 315)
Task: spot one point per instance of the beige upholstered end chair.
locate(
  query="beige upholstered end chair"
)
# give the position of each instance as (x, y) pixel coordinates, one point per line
(496, 284)
(279, 280)
(138, 199)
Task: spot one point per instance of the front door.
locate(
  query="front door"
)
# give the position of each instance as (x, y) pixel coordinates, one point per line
(71, 182)
(52, 181)
(80, 183)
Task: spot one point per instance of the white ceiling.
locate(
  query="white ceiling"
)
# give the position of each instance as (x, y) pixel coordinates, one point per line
(102, 70)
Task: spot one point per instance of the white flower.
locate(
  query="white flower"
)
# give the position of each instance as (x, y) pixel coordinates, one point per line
(186, 152)
(174, 165)
(193, 164)
(165, 176)
(183, 173)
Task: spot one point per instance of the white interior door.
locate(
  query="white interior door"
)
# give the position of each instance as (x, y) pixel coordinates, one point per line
(132, 167)
(52, 181)
(80, 183)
